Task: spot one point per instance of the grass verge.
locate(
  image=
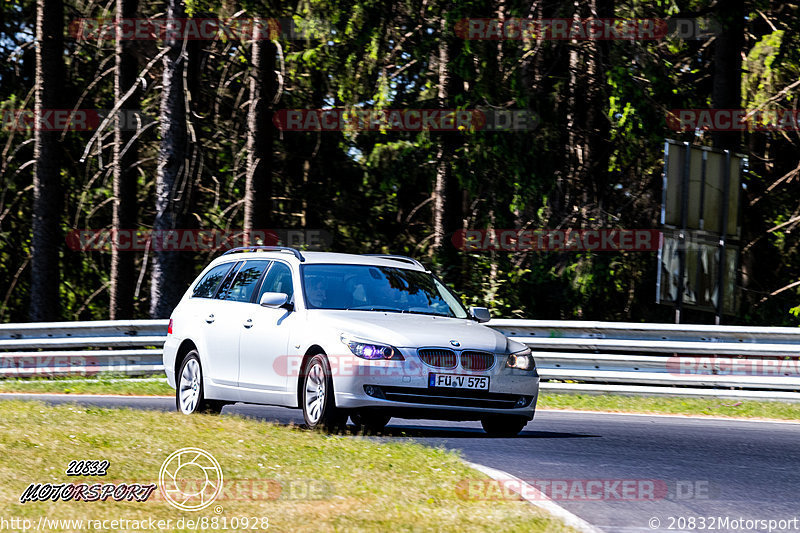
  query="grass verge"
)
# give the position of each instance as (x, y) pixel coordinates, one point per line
(102, 384)
(357, 484)
(111, 384)
(678, 406)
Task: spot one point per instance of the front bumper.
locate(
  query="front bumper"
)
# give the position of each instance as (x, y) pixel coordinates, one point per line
(400, 388)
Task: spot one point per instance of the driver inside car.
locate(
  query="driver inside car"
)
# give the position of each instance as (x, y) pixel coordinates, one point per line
(316, 293)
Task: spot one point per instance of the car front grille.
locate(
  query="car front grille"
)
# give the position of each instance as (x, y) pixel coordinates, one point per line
(477, 360)
(453, 397)
(438, 357)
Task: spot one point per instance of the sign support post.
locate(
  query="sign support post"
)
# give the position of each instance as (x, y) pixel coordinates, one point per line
(684, 229)
(726, 192)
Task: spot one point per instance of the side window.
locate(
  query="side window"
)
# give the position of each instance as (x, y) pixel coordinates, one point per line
(279, 279)
(206, 287)
(226, 283)
(241, 290)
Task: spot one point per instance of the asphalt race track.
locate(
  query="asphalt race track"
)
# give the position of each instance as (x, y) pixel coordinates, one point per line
(709, 468)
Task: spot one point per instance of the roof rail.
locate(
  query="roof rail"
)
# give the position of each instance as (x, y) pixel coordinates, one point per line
(295, 251)
(402, 258)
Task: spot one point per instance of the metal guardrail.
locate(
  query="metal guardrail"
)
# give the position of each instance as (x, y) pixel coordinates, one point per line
(662, 359)
(571, 356)
(131, 347)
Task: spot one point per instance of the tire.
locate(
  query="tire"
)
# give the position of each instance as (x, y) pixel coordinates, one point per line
(370, 422)
(317, 400)
(189, 393)
(503, 425)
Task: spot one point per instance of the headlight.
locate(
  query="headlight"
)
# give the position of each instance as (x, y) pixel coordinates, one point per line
(522, 360)
(371, 350)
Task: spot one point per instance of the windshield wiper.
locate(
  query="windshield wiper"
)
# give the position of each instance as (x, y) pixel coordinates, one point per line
(368, 308)
(395, 310)
(429, 313)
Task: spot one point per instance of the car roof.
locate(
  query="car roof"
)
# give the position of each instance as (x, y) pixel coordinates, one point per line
(310, 258)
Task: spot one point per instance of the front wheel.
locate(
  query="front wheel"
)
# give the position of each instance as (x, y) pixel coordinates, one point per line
(319, 409)
(189, 394)
(503, 425)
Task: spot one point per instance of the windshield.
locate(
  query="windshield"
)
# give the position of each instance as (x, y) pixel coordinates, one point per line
(374, 288)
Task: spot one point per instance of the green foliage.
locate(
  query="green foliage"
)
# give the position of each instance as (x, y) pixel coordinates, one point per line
(593, 161)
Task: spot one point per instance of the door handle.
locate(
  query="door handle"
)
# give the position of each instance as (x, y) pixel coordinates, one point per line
(248, 323)
(210, 318)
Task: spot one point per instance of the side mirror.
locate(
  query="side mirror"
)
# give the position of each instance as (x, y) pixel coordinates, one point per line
(273, 299)
(481, 314)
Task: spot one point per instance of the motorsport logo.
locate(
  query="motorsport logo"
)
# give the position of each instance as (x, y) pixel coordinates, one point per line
(190, 479)
(88, 492)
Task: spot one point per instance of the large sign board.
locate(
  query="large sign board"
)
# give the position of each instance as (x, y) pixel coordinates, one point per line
(698, 259)
(701, 277)
(707, 169)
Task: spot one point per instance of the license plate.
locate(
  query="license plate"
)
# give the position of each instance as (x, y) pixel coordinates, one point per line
(455, 381)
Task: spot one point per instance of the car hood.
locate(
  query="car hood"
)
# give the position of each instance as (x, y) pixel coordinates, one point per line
(411, 331)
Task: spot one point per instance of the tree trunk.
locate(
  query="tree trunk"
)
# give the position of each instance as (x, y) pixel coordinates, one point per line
(447, 192)
(598, 126)
(727, 85)
(587, 123)
(442, 164)
(258, 181)
(47, 194)
(315, 183)
(166, 285)
(123, 266)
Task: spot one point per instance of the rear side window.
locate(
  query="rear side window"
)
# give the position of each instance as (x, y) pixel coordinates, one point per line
(245, 283)
(206, 287)
(226, 283)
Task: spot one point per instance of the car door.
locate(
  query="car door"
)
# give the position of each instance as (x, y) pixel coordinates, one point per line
(262, 374)
(203, 312)
(225, 322)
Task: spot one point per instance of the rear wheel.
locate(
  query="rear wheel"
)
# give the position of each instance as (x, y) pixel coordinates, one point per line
(503, 425)
(370, 422)
(189, 393)
(319, 408)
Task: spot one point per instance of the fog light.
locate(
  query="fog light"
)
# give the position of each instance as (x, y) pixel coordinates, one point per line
(522, 402)
(370, 390)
